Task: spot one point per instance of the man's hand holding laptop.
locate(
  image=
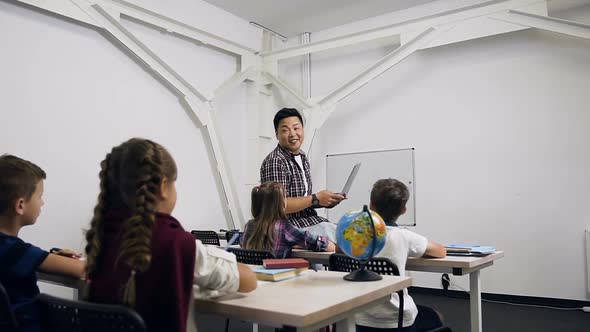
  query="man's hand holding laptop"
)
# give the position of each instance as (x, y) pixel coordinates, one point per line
(329, 199)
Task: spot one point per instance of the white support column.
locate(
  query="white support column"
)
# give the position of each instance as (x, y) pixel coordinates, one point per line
(380, 67)
(545, 23)
(306, 67)
(231, 204)
(475, 301)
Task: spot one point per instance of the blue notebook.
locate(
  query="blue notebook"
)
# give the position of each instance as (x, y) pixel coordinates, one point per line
(277, 274)
(468, 250)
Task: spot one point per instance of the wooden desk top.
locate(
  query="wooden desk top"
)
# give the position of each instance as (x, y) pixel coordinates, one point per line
(460, 262)
(60, 280)
(303, 301)
(463, 262)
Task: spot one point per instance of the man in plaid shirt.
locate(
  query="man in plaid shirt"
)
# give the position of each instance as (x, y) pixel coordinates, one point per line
(288, 165)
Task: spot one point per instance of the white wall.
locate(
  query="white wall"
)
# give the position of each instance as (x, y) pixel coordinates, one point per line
(68, 95)
(501, 128)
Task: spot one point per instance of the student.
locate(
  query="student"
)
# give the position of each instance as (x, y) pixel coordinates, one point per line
(270, 230)
(139, 255)
(388, 199)
(21, 199)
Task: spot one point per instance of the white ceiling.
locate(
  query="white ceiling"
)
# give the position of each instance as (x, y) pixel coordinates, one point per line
(292, 17)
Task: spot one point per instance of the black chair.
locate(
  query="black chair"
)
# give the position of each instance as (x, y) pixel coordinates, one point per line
(230, 234)
(381, 265)
(249, 256)
(64, 315)
(207, 237)
(8, 320)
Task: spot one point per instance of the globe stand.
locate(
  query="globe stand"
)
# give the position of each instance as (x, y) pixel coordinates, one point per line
(363, 274)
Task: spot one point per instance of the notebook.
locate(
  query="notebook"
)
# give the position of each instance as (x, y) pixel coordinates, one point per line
(350, 180)
(468, 250)
(277, 274)
(284, 263)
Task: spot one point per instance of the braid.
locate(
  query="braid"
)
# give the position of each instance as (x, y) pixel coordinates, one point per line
(95, 233)
(130, 179)
(137, 231)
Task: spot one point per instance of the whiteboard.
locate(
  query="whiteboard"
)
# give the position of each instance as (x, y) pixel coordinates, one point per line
(396, 164)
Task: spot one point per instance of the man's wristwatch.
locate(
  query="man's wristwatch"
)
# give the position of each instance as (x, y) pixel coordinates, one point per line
(315, 202)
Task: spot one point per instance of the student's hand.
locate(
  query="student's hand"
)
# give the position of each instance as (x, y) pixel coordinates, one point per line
(248, 280)
(331, 247)
(67, 253)
(329, 199)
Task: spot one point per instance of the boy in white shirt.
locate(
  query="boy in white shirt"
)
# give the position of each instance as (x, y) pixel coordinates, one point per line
(388, 199)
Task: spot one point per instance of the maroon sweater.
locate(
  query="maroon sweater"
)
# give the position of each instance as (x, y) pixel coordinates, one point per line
(163, 291)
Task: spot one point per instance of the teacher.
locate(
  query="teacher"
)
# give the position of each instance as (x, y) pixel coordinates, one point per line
(288, 165)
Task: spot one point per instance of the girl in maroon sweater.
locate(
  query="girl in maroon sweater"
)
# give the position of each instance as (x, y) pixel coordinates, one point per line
(138, 254)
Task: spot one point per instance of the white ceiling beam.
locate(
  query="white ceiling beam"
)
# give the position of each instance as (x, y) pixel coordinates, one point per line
(545, 23)
(234, 81)
(448, 17)
(62, 7)
(172, 25)
(287, 88)
(145, 54)
(384, 64)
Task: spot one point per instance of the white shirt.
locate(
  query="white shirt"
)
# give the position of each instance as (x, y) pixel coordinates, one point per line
(299, 161)
(216, 274)
(400, 244)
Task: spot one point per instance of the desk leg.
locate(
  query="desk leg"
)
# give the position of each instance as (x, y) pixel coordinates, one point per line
(475, 301)
(346, 324)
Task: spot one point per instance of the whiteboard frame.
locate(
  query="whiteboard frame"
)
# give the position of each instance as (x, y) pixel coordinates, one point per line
(413, 184)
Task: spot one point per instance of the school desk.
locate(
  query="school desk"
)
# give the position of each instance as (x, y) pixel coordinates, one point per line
(457, 265)
(307, 302)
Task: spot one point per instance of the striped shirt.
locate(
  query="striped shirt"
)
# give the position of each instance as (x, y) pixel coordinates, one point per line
(285, 237)
(280, 166)
(18, 266)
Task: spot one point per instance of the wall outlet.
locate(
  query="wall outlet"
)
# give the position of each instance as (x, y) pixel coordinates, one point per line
(445, 281)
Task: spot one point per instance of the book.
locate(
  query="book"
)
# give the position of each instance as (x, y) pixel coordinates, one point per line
(277, 274)
(469, 250)
(284, 263)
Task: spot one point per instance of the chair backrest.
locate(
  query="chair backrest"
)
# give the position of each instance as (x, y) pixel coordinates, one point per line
(207, 237)
(8, 320)
(249, 256)
(381, 265)
(59, 314)
(230, 234)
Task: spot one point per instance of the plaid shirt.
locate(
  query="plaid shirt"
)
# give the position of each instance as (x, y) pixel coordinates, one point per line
(280, 166)
(286, 236)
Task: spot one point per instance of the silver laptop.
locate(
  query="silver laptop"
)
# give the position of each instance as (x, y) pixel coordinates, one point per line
(350, 180)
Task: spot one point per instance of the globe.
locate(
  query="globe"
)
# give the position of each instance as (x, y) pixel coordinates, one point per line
(354, 234)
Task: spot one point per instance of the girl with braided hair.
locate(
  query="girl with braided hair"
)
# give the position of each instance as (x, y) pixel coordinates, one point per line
(139, 255)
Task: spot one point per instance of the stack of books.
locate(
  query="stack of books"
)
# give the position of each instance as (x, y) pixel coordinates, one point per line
(281, 269)
(468, 250)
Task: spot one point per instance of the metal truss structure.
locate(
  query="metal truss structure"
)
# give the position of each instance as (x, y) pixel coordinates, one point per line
(261, 68)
